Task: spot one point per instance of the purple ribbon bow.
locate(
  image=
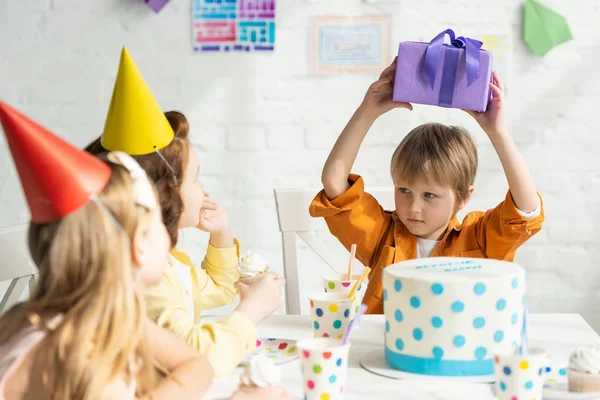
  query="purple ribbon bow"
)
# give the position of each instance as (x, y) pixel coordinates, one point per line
(434, 51)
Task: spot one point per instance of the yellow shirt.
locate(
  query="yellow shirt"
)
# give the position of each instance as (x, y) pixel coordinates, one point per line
(223, 342)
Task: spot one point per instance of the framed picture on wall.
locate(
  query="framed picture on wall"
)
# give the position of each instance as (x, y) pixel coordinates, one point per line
(233, 25)
(349, 44)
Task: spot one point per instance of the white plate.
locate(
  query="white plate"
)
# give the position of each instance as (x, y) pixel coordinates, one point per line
(375, 363)
(560, 391)
(279, 350)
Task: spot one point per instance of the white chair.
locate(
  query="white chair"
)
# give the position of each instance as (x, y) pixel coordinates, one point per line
(16, 265)
(292, 212)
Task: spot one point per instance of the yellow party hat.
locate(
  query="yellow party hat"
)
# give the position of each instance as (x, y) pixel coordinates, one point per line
(135, 124)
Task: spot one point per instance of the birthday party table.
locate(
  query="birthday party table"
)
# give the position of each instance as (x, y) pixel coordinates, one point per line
(559, 334)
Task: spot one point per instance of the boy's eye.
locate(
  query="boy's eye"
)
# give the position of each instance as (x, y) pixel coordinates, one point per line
(404, 190)
(429, 195)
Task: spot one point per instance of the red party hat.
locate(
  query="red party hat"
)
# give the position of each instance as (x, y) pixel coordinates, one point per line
(57, 177)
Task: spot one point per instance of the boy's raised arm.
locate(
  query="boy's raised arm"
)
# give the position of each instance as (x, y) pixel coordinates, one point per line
(377, 101)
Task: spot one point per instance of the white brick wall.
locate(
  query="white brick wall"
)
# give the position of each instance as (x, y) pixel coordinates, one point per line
(261, 121)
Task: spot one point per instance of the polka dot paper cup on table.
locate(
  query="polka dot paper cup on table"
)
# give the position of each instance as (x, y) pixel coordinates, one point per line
(324, 364)
(331, 313)
(339, 284)
(521, 377)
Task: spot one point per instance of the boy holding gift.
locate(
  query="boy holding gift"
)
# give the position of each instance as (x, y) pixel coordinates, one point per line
(433, 170)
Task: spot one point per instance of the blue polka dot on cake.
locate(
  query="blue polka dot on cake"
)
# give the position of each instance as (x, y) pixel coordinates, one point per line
(458, 306)
(398, 316)
(478, 322)
(399, 344)
(397, 285)
(515, 283)
(479, 288)
(480, 353)
(498, 336)
(415, 302)
(437, 289)
(418, 334)
(458, 341)
(501, 305)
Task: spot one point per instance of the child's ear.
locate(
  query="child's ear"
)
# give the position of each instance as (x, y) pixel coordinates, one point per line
(139, 247)
(461, 204)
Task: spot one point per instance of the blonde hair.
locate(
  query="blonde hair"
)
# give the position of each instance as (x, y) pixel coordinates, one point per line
(440, 153)
(86, 275)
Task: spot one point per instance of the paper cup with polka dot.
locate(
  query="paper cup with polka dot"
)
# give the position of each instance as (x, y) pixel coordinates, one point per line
(324, 364)
(331, 313)
(339, 284)
(521, 377)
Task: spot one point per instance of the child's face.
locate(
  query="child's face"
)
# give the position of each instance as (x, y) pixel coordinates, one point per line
(152, 244)
(425, 208)
(192, 193)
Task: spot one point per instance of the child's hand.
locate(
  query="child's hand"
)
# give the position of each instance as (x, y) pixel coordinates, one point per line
(213, 218)
(261, 298)
(378, 99)
(256, 393)
(493, 120)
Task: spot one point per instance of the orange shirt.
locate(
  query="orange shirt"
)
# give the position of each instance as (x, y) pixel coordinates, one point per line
(382, 239)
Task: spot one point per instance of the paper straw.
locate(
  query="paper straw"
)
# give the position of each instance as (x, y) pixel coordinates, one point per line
(353, 323)
(359, 282)
(351, 263)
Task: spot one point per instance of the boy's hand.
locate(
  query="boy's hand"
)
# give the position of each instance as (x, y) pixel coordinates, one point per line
(378, 99)
(493, 121)
(213, 218)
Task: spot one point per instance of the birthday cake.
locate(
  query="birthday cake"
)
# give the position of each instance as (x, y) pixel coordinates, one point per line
(448, 316)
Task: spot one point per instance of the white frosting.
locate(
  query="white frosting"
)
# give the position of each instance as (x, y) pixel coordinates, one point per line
(252, 264)
(261, 372)
(585, 359)
(454, 269)
(468, 308)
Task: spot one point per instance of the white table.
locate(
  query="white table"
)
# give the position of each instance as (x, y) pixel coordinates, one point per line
(559, 334)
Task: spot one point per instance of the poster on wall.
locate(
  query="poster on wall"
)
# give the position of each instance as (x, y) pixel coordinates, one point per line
(233, 25)
(499, 46)
(350, 44)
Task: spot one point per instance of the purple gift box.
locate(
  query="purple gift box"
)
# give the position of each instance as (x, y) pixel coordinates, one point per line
(156, 5)
(455, 75)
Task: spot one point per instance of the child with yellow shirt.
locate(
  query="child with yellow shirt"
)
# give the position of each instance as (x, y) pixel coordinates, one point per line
(433, 170)
(160, 143)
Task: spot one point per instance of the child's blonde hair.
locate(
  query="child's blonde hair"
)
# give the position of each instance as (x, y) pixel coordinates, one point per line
(87, 276)
(440, 153)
